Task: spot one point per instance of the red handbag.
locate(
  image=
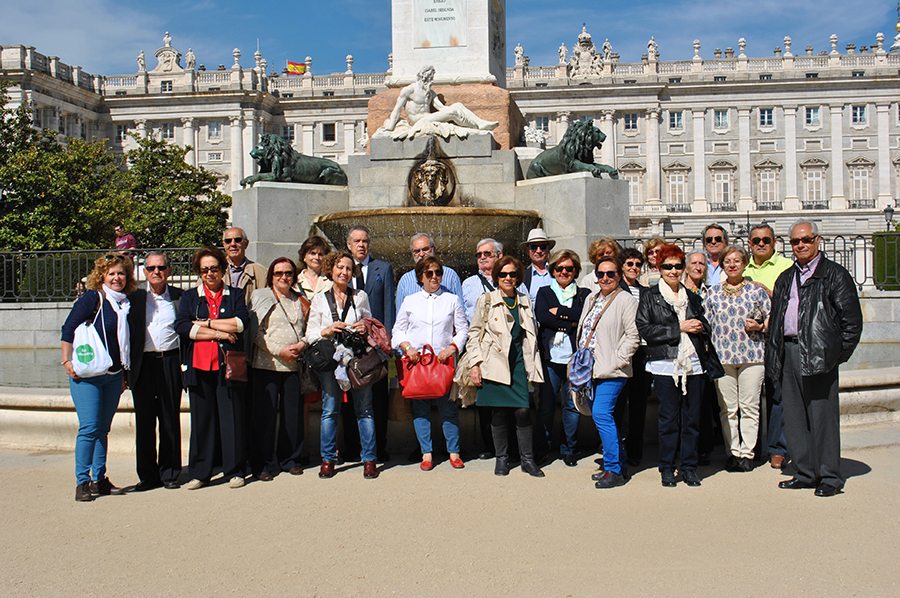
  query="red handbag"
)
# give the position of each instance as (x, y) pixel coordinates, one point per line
(427, 379)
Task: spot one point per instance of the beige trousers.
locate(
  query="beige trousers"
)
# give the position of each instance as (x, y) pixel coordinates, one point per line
(739, 391)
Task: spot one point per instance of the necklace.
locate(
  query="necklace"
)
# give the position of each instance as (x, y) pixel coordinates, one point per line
(515, 302)
(734, 289)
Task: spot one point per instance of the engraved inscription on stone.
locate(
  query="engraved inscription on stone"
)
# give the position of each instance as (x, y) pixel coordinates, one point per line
(439, 23)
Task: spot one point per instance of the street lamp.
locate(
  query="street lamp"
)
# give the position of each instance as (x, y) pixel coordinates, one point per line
(889, 216)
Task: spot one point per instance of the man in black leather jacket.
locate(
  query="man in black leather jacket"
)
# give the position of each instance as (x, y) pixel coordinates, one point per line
(814, 326)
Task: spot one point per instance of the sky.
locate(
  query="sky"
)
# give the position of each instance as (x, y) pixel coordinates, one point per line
(105, 36)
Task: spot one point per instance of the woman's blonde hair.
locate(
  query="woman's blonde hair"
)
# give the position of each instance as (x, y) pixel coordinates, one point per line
(104, 263)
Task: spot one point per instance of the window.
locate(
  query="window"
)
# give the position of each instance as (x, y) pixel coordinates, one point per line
(121, 92)
(165, 86)
(634, 188)
(765, 117)
(369, 92)
(328, 134)
(720, 119)
(860, 183)
(722, 187)
(167, 131)
(540, 85)
(768, 182)
(121, 133)
(765, 77)
(812, 75)
(676, 120)
(858, 74)
(677, 185)
(214, 129)
(542, 123)
(287, 133)
(214, 157)
(586, 118)
(814, 191)
(626, 82)
(328, 94)
(36, 118)
(287, 95)
(631, 121)
(83, 131)
(812, 117)
(674, 79)
(858, 115)
(719, 79)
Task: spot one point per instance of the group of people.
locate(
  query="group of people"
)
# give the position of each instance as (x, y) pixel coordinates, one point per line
(720, 326)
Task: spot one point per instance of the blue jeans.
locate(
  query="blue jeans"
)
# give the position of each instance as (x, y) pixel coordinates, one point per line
(606, 392)
(556, 379)
(679, 414)
(421, 412)
(332, 396)
(96, 400)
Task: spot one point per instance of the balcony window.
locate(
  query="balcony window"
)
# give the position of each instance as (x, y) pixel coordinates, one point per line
(812, 117)
(676, 120)
(720, 119)
(631, 121)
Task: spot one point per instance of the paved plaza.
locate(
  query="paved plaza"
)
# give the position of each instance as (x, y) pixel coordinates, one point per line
(457, 533)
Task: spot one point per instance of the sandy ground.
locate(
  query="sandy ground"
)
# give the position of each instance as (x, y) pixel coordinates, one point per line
(452, 533)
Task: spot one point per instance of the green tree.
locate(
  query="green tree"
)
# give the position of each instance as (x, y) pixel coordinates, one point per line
(173, 204)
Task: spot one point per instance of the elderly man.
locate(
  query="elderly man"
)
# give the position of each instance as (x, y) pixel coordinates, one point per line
(815, 325)
(487, 252)
(242, 273)
(765, 268)
(422, 245)
(715, 239)
(537, 275)
(377, 280)
(155, 376)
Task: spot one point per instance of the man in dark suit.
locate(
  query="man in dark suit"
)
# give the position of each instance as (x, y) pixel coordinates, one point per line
(377, 280)
(155, 376)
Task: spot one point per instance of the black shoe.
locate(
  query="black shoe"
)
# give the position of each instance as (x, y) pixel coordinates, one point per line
(795, 484)
(824, 489)
(668, 477)
(171, 485)
(531, 468)
(690, 477)
(145, 485)
(745, 464)
(570, 460)
(610, 480)
(501, 467)
(484, 455)
(732, 464)
(83, 492)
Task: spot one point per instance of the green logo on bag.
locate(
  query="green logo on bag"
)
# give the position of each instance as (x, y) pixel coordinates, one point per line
(84, 353)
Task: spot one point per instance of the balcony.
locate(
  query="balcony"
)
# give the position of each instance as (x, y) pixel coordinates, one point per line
(819, 204)
(678, 208)
(722, 206)
(862, 204)
(769, 206)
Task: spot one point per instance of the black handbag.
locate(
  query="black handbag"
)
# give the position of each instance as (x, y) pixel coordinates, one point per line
(320, 356)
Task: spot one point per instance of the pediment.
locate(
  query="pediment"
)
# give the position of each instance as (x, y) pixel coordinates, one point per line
(767, 164)
(632, 166)
(677, 165)
(723, 165)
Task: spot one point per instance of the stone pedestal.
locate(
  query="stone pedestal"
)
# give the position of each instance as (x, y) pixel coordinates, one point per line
(277, 217)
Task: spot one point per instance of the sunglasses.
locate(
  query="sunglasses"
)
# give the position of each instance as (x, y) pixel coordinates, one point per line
(601, 274)
(111, 256)
(714, 239)
(481, 254)
(634, 264)
(433, 273)
(505, 274)
(678, 266)
(804, 240)
(155, 268)
(538, 246)
(565, 269)
(282, 273)
(213, 270)
(761, 241)
(230, 240)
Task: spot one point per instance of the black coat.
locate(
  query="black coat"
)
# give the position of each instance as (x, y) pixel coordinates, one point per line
(565, 320)
(137, 318)
(659, 327)
(829, 319)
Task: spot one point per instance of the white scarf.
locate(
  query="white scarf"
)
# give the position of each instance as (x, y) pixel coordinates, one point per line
(121, 305)
(685, 347)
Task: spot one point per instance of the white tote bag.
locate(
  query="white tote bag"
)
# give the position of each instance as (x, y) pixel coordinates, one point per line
(91, 355)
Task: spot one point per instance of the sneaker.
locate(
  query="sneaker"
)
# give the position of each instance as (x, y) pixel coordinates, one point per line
(610, 479)
(668, 477)
(194, 484)
(236, 482)
(690, 477)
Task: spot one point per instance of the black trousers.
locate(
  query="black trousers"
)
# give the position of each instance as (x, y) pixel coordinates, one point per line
(380, 402)
(679, 419)
(631, 407)
(217, 413)
(812, 421)
(157, 397)
(276, 394)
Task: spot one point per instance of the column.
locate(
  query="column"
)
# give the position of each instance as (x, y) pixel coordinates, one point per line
(791, 191)
(237, 151)
(188, 140)
(700, 204)
(141, 127)
(883, 163)
(653, 155)
(562, 124)
(307, 147)
(250, 134)
(745, 199)
(838, 199)
(609, 146)
(349, 137)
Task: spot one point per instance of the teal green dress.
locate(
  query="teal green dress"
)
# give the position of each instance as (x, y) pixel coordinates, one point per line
(494, 394)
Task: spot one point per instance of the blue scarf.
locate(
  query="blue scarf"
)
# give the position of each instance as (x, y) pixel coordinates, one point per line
(564, 295)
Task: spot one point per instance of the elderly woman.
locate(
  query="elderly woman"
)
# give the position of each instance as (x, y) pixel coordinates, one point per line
(436, 318)
(695, 273)
(602, 247)
(310, 281)
(350, 306)
(505, 357)
(96, 398)
(277, 326)
(211, 322)
(671, 321)
(557, 309)
(738, 309)
(607, 326)
(651, 260)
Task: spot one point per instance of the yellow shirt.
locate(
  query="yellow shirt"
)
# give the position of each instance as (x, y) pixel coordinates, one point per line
(769, 271)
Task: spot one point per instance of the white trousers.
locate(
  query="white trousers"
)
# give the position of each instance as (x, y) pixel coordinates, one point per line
(739, 391)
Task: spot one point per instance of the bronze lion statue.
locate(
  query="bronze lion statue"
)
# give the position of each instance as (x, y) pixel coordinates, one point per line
(575, 153)
(279, 162)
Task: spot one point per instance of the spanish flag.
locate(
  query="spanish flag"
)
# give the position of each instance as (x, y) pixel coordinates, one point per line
(296, 68)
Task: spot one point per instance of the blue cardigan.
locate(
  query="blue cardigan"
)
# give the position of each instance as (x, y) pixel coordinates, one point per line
(84, 311)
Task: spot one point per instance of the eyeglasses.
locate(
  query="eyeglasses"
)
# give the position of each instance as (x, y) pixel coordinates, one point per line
(715, 239)
(634, 264)
(538, 246)
(565, 269)
(111, 256)
(282, 273)
(601, 274)
(761, 241)
(653, 251)
(230, 240)
(804, 240)
(155, 268)
(433, 273)
(678, 266)
(505, 274)
(481, 254)
(213, 270)
(421, 251)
